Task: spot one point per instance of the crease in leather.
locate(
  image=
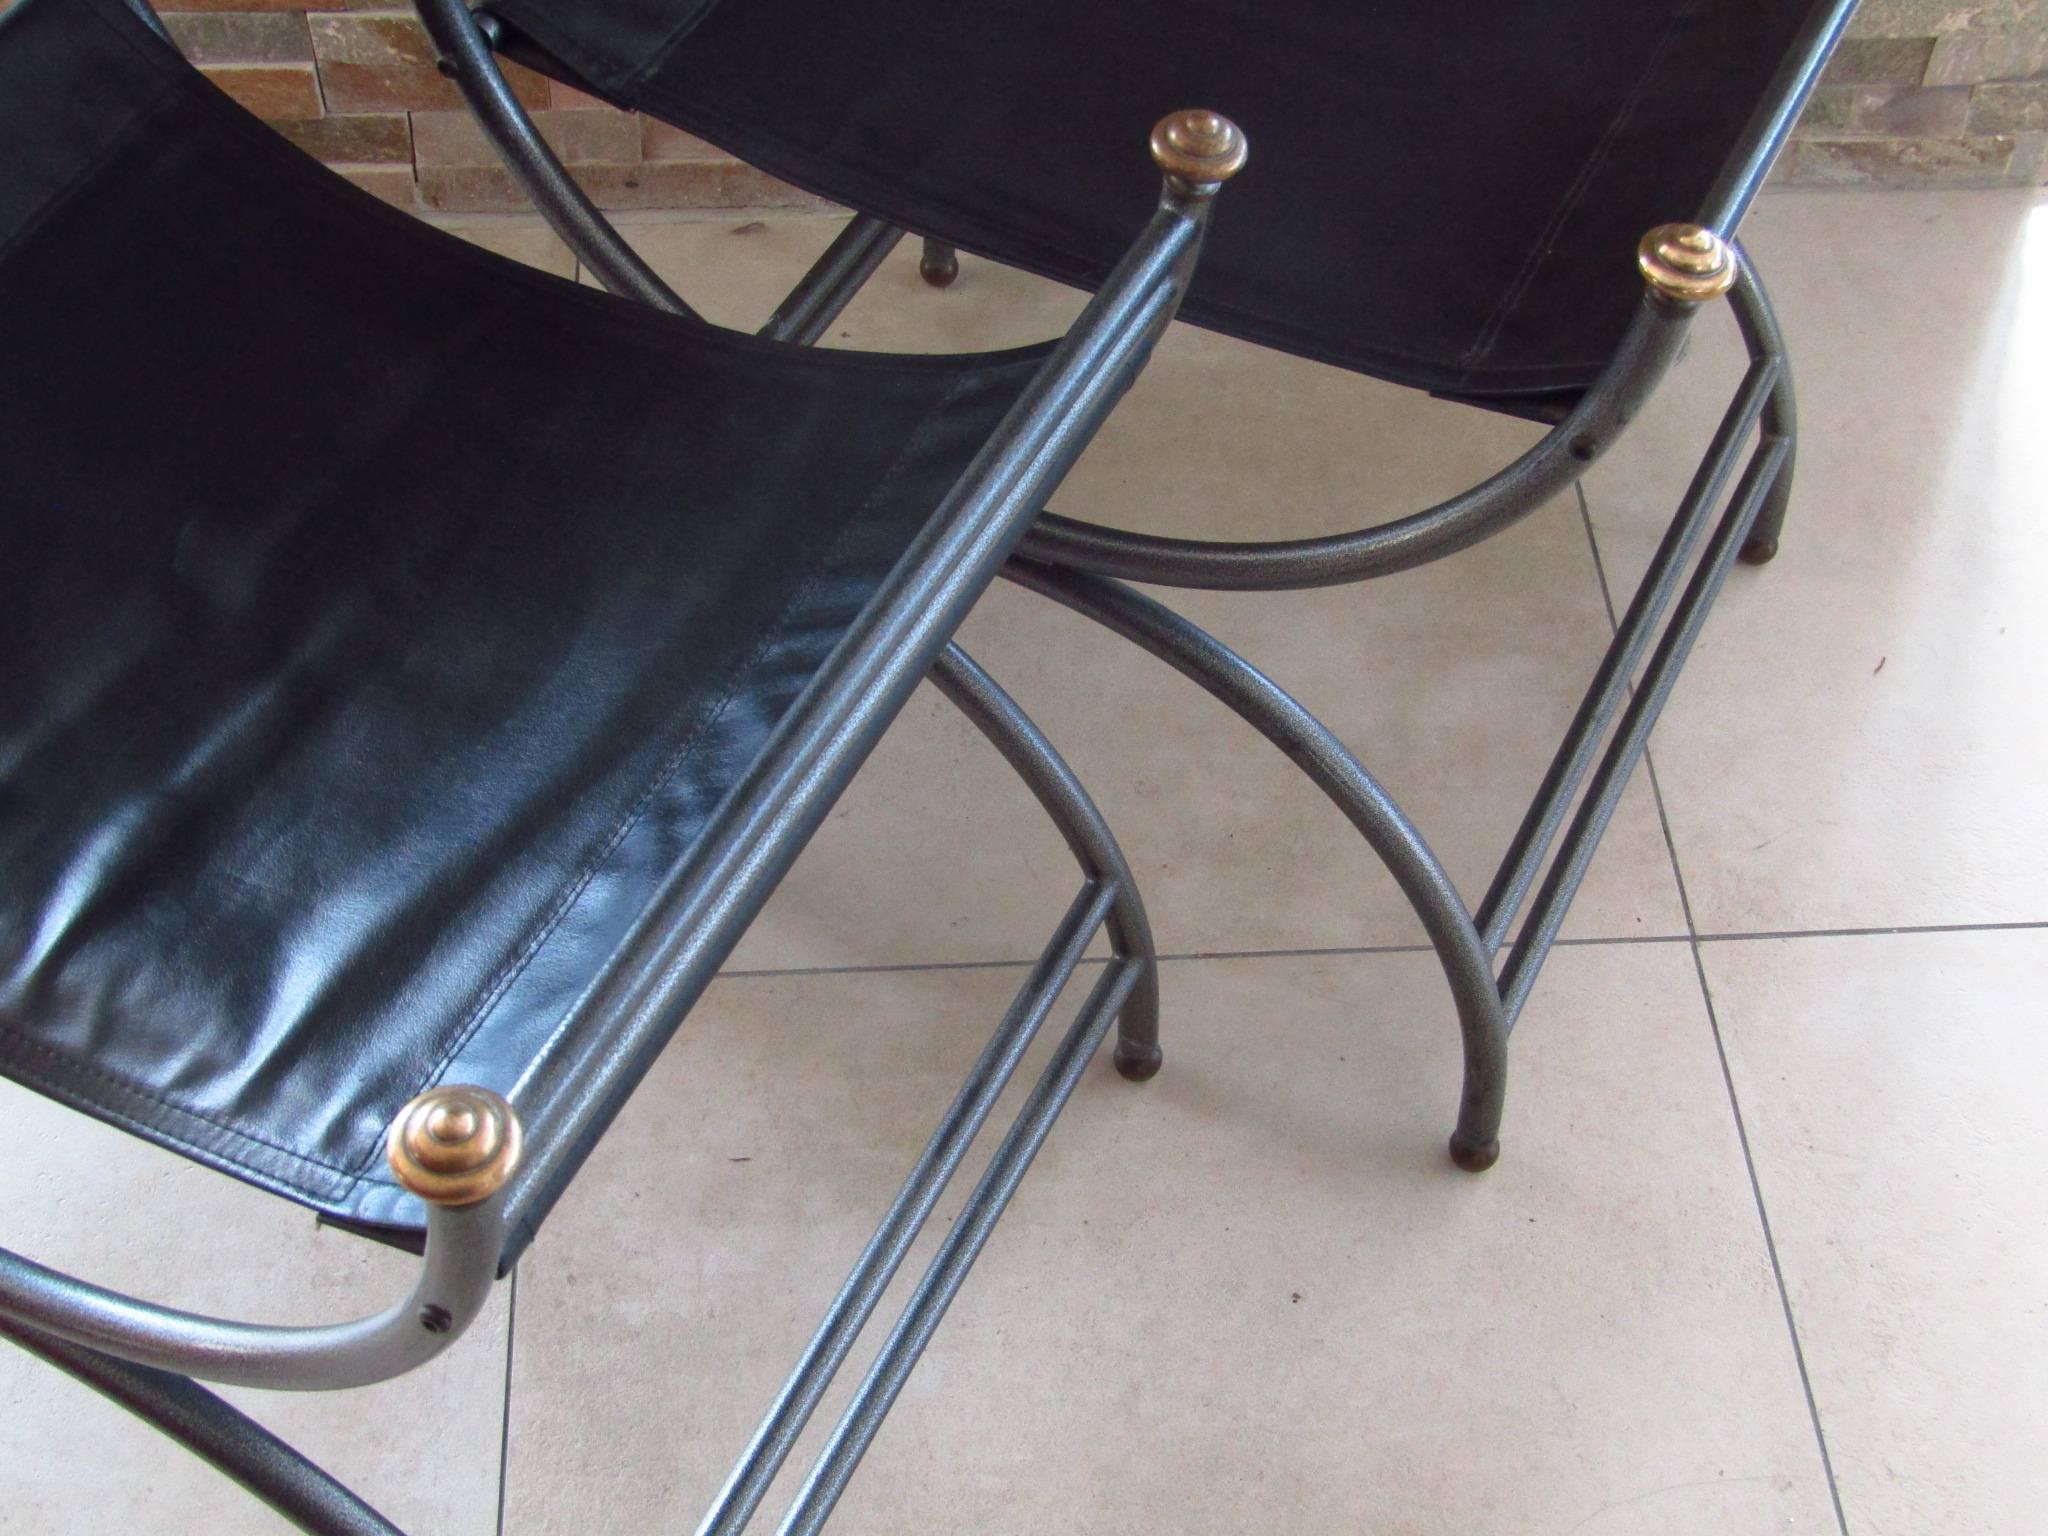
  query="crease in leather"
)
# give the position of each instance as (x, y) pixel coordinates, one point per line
(384, 619)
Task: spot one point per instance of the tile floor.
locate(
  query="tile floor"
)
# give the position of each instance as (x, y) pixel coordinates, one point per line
(1760, 1255)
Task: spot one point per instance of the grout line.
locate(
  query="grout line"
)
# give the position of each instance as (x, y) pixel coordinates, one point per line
(1310, 953)
(1338, 951)
(505, 1422)
(1756, 1189)
(1764, 1218)
(766, 972)
(1865, 933)
(1333, 951)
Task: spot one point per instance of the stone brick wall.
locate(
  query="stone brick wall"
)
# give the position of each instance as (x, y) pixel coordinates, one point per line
(354, 82)
(1931, 92)
(1922, 92)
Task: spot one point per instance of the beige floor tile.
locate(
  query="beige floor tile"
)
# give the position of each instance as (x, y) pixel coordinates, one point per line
(1452, 682)
(1888, 1084)
(1862, 736)
(98, 1203)
(1251, 1295)
(523, 239)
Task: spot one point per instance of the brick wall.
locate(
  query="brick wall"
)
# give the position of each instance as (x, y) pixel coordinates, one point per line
(1931, 92)
(354, 82)
(1923, 92)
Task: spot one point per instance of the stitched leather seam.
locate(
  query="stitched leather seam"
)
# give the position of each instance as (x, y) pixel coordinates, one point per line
(57, 201)
(71, 1067)
(693, 737)
(912, 445)
(1511, 298)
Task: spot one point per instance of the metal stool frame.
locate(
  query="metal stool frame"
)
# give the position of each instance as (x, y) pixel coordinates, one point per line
(1080, 564)
(150, 1358)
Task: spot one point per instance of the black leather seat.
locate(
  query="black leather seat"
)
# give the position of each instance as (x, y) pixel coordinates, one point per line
(1445, 195)
(381, 619)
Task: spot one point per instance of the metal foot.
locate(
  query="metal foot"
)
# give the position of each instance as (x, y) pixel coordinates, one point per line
(1473, 1154)
(939, 264)
(1759, 551)
(1138, 1063)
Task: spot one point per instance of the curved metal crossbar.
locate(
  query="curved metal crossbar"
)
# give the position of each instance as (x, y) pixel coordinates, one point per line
(1013, 733)
(1333, 768)
(461, 1261)
(834, 279)
(465, 42)
(215, 1431)
(1563, 454)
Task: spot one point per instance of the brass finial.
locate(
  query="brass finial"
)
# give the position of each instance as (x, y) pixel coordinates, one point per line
(1200, 148)
(454, 1146)
(1687, 262)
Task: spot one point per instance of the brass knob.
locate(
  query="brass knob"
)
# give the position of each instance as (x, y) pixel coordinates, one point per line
(454, 1146)
(1687, 262)
(1200, 148)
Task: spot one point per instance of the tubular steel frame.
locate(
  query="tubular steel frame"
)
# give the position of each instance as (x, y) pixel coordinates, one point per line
(1057, 553)
(143, 1356)
(146, 1356)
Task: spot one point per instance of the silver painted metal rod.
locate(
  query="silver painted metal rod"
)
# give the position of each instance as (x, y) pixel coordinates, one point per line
(150, 19)
(464, 45)
(1771, 123)
(879, 1261)
(217, 1433)
(1331, 766)
(1564, 453)
(850, 260)
(1575, 855)
(970, 1232)
(705, 904)
(461, 1261)
(1574, 754)
(1758, 321)
(1013, 733)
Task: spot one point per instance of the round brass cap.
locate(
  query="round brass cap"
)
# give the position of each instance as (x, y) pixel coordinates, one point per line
(1686, 261)
(1201, 148)
(454, 1146)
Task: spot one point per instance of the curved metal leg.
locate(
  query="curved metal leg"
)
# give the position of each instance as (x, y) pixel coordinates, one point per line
(1475, 1144)
(939, 264)
(216, 1432)
(996, 715)
(1759, 322)
(464, 41)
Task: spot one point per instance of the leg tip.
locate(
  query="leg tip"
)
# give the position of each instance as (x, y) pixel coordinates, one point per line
(939, 271)
(1472, 1155)
(1138, 1062)
(1759, 551)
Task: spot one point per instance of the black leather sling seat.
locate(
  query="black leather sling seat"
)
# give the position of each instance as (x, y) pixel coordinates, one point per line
(1445, 195)
(381, 620)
